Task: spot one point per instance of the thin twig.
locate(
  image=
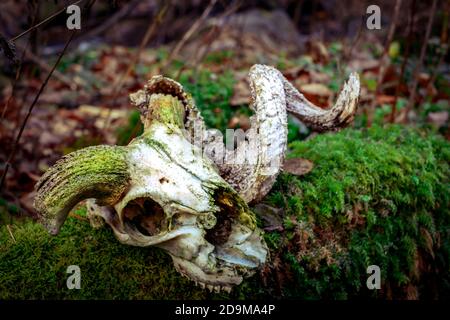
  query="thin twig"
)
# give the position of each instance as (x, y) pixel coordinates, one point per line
(15, 81)
(384, 60)
(148, 35)
(348, 53)
(19, 70)
(405, 60)
(215, 32)
(78, 217)
(44, 21)
(42, 64)
(412, 96)
(443, 46)
(10, 233)
(110, 22)
(195, 26)
(30, 110)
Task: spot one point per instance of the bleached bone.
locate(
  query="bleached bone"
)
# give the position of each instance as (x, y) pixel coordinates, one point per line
(162, 190)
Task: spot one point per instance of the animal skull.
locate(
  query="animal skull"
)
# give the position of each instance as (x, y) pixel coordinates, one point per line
(165, 190)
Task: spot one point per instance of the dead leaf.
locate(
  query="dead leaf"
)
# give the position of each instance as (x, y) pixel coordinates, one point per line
(367, 64)
(241, 93)
(319, 77)
(298, 73)
(27, 201)
(317, 89)
(385, 99)
(412, 292)
(271, 217)
(317, 93)
(298, 166)
(319, 52)
(239, 121)
(438, 118)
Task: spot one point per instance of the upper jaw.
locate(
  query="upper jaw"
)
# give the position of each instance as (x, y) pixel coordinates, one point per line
(229, 263)
(249, 251)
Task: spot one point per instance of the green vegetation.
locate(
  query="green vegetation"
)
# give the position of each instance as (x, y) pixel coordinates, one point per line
(35, 266)
(133, 129)
(212, 94)
(376, 196)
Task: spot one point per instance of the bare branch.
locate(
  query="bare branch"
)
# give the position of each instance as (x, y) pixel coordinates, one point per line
(197, 24)
(54, 15)
(30, 110)
(384, 60)
(423, 51)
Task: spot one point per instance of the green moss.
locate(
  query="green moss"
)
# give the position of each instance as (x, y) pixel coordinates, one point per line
(212, 93)
(99, 171)
(219, 57)
(377, 196)
(35, 267)
(167, 110)
(134, 128)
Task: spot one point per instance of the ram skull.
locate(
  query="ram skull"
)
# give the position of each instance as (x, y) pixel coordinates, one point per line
(179, 188)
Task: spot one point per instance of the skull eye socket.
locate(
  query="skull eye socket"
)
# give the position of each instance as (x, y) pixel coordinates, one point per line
(146, 215)
(229, 211)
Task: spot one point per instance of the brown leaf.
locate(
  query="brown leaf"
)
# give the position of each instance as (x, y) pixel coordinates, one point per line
(270, 216)
(298, 166)
(239, 121)
(27, 201)
(385, 99)
(317, 89)
(412, 292)
(438, 118)
(241, 93)
(317, 93)
(319, 52)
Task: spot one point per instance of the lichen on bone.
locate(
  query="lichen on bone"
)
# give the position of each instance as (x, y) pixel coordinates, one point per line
(167, 189)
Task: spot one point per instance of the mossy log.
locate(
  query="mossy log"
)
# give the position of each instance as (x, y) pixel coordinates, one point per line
(378, 196)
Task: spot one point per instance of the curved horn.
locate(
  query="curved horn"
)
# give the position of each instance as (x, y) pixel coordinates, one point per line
(266, 140)
(99, 172)
(193, 121)
(339, 116)
(272, 96)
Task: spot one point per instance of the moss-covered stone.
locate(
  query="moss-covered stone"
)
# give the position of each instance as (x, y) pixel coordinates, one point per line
(377, 196)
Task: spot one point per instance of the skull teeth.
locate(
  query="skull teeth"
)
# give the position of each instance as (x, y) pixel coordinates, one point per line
(210, 287)
(227, 289)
